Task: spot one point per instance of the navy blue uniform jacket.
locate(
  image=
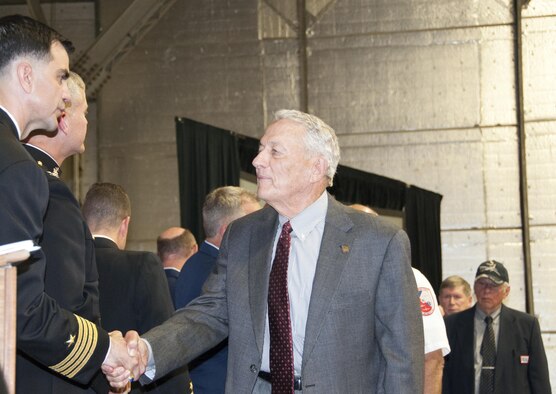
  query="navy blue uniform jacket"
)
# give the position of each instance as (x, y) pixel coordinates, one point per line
(71, 276)
(54, 337)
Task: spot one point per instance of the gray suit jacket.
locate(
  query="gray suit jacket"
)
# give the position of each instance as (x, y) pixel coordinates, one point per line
(364, 329)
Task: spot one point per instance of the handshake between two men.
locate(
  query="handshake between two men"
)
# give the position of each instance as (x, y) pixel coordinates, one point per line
(126, 361)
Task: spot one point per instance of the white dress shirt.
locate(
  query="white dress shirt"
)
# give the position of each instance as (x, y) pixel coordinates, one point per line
(306, 237)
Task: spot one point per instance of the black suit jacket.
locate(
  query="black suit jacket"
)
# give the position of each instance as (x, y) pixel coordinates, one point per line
(519, 337)
(51, 335)
(71, 276)
(134, 295)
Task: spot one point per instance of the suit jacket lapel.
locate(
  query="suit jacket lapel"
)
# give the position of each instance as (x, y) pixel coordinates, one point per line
(333, 256)
(505, 352)
(260, 255)
(466, 345)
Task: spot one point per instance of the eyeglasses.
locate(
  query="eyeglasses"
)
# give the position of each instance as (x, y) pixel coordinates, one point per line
(487, 284)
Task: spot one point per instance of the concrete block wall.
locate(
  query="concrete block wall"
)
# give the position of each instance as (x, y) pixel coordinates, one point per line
(423, 92)
(201, 61)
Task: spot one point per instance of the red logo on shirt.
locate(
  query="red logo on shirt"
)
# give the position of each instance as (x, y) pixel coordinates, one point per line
(426, 300)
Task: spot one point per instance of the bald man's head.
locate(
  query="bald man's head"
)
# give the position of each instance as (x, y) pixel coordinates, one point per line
(364, 208)
(172, 232)
(175, 245)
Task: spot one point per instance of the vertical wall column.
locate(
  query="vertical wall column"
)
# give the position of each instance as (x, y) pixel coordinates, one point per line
(302, 39)
(523, 189)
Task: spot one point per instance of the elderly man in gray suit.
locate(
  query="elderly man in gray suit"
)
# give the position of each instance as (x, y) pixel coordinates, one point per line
(314, 296)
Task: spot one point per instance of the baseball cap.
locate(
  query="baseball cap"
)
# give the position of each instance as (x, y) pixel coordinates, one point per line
(494, 271)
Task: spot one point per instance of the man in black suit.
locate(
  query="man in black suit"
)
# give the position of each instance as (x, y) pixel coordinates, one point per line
(174, 247)
(133, 289)
(71, 274)
(34, 66)
(495, 349)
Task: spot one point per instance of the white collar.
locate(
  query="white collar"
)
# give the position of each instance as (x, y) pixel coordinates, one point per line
(104, 236)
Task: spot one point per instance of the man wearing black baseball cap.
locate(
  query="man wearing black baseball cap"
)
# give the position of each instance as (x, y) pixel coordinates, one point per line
(495, 349)
(491, 288)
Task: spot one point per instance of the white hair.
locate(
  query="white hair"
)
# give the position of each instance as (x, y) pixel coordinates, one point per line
(320, 138)
(76, 88)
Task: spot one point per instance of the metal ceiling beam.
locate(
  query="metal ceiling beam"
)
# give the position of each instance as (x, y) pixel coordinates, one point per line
(118, 40)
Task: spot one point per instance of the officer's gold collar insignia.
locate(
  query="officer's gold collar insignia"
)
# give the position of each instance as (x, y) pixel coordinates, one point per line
(55, 172)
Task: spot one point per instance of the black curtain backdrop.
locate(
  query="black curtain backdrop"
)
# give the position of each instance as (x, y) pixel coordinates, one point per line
(209, 157)
(421, 208)
(422, 223)
(355, 186)
(248, 148)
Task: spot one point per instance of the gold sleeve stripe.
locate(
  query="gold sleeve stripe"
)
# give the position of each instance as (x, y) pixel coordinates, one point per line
(62, 364)
(83, 349)
(88, 348)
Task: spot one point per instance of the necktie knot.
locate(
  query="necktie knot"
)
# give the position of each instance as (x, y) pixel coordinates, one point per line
(488, 320)
(286, 228)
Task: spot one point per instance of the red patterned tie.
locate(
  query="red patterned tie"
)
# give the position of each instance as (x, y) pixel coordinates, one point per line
(281, 347)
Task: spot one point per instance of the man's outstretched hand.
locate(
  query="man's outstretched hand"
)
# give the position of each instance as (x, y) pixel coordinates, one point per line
(126, 361)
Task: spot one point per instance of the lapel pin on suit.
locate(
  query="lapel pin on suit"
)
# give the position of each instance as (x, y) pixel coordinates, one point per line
(345, 249)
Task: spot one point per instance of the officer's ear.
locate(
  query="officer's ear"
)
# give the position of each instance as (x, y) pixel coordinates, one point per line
(25, 76)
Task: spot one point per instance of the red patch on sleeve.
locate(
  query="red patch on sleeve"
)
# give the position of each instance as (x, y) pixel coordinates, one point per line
(426, 300)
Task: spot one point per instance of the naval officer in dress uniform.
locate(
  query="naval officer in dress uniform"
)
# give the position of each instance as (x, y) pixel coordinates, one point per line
(34, 67)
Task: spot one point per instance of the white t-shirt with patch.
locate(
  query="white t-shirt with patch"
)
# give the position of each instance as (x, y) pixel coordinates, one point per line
(433, 322)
